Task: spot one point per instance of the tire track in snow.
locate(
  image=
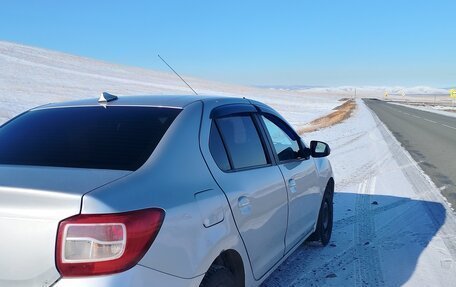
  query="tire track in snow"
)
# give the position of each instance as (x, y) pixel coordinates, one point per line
(344, 222)
(367, 266)
(365, 171)
(316, 275)
(310, 265)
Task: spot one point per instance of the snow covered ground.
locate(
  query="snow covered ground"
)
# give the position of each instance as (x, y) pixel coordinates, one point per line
(391, 226)
(31, 76)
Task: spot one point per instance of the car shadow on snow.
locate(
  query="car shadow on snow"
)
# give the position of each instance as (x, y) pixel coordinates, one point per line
(376, 241)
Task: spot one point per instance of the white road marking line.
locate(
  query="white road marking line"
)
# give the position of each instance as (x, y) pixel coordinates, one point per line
(431, 121)
(448, 126)
(428, 120)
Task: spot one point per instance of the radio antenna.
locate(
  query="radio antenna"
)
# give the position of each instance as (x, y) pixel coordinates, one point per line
(177, 74)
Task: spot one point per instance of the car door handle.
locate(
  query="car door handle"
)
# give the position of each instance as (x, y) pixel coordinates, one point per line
(244, 205)
(291, 182)
(243, 201)
(292, 185)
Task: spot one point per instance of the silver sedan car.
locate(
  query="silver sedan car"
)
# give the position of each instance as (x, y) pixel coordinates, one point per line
(157, 191)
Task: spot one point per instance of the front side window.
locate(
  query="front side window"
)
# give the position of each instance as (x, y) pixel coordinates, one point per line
(285, 146)
(242, 141)
(121, 138)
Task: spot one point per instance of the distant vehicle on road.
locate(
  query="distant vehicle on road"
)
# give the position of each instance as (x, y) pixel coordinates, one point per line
(157, 191)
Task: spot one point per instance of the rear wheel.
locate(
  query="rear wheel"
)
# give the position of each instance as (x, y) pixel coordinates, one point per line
(325, 220)
(218, 276)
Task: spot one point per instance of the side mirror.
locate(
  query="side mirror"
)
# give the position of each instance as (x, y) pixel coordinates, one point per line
(304, 153)
(319, 149)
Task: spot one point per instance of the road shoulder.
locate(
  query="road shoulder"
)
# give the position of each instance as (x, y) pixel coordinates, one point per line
(391, 225)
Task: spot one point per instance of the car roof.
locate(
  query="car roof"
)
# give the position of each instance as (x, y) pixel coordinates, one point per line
(172, 101)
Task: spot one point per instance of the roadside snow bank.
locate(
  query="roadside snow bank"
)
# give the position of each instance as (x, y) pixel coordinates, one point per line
(391, 225)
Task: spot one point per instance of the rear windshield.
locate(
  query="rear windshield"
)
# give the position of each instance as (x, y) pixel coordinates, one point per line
(121, 138)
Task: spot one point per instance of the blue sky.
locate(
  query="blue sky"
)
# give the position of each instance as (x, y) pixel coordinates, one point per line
(322, 42)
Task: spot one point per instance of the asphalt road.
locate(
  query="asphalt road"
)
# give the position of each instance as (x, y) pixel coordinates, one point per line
(429, 138)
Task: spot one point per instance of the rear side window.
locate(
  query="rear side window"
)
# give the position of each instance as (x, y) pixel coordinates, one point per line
(121, 138)
(218, 149)
(242, 141)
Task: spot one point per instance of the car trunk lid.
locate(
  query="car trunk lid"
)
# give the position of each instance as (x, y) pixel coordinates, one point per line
(33, 200)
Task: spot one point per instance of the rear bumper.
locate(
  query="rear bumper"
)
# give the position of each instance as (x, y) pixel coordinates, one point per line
(138, 276)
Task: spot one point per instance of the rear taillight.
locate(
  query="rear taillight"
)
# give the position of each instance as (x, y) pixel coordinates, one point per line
(99, 244)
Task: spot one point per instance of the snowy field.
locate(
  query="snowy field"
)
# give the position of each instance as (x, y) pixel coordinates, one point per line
(392, 227)
(30, 77)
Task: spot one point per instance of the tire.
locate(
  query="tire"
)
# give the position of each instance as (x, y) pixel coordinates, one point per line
(218, 276)
(325, 220)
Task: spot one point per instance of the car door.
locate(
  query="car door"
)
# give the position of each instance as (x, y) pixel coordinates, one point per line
(300, 176)
(253, 185)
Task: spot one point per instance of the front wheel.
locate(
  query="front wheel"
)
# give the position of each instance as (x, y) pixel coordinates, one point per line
(325, 220)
